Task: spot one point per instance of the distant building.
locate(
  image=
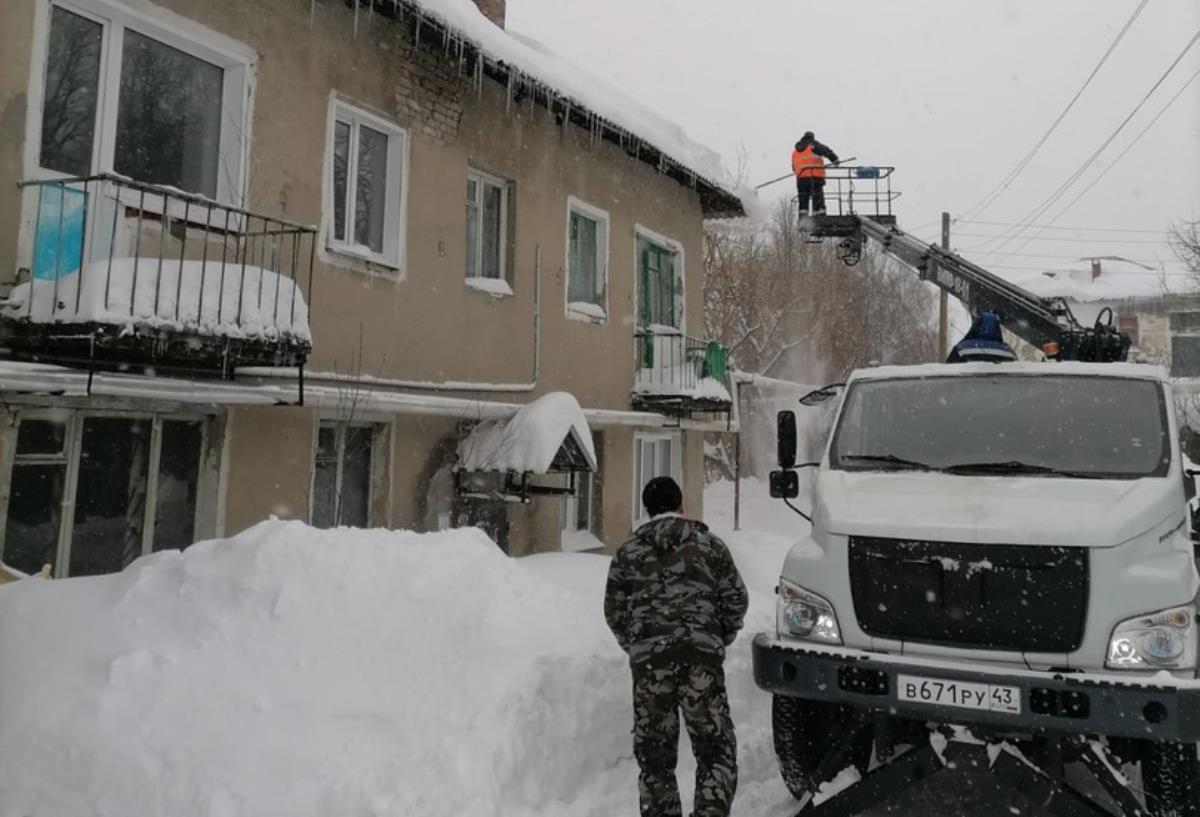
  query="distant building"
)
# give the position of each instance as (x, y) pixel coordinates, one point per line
(288, 258)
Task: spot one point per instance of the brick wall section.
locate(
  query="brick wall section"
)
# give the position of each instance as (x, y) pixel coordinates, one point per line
(429, 92)
(493, 10)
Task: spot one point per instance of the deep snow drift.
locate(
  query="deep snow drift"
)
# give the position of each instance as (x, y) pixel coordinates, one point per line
(289, 671)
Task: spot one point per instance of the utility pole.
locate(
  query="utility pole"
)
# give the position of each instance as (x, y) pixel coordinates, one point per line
(943, 303)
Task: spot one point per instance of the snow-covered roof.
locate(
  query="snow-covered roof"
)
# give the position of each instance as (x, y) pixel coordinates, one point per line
(1136, 370)
(1119, 279)
(530, 442)
(609, 112)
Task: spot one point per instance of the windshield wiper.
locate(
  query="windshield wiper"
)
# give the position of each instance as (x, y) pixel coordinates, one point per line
(888, 459)
(1011, 467)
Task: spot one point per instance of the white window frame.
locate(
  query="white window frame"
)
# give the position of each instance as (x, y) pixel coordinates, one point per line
(494, 286)
(395, 217)
(576, 206)
(202, 527)
(237, 61)
(571, 536)
(640, 231)
(676, 467)
(380, 443)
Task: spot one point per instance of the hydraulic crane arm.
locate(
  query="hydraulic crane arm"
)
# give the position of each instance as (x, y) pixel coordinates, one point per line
(1045, 323)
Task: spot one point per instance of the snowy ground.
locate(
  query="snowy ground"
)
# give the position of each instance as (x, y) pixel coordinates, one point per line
(298, 673)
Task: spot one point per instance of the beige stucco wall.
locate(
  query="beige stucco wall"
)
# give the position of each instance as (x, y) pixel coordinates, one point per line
(268, 465)
(424, 324)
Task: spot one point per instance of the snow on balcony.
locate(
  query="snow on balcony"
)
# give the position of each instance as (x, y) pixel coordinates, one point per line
(675, 369)
(207, 298)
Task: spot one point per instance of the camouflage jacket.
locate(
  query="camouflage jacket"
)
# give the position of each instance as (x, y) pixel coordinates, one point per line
(674, 594)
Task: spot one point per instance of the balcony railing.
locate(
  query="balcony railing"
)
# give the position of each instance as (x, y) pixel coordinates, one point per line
(679, 374)
(125, 272)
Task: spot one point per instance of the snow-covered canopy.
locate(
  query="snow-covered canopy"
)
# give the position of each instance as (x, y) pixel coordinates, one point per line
(1119, 278)
(555, 78)
(531, 442)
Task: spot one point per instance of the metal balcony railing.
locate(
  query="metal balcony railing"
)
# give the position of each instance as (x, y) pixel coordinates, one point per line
(136, 267)
(674, 369)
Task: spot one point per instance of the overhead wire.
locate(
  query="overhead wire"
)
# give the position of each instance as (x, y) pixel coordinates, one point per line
(1052, 199)
(1008, 180)
(1111, 164)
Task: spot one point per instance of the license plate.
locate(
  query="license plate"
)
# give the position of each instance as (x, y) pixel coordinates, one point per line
(963, 694)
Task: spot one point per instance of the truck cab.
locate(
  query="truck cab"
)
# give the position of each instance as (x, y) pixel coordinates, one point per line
(1000, 548)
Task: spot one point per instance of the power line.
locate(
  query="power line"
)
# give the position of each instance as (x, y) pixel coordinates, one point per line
(1007, 181)
(1038, 211)
(1115, 161)
(1073, 239)
(1052, 227)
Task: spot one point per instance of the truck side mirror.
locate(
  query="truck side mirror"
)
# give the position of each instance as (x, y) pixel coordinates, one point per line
(785, 439)
(818, 396)
(1189, 482)
(785, 484)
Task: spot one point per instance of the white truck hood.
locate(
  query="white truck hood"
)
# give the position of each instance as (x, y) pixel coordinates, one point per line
(994, 509)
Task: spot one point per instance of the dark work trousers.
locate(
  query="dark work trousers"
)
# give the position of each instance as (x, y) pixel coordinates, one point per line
(807, 188)
(698, 690)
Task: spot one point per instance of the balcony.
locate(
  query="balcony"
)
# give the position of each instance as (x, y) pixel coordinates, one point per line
(128, 274)
(680, 376)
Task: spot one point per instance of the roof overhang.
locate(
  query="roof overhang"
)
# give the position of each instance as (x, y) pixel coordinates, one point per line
(434, 31)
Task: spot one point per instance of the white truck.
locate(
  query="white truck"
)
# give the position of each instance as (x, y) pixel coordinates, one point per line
(1000, 561)
(1000, 572)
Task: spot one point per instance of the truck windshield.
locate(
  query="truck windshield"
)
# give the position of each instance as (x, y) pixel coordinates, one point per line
(1019, 425)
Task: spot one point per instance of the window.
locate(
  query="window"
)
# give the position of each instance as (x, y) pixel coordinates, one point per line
(122, 93)
(587, 261)
(660, 283)
(654, 455)
(487, 231)
(342, 475)
(131, 485)
(1129, 325)
(1185, 344)
(366, 185)
(580, 513)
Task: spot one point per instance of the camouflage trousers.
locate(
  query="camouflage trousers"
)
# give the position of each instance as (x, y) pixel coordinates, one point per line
(698, 690)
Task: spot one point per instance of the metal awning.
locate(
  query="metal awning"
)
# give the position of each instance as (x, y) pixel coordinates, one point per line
(548, 435)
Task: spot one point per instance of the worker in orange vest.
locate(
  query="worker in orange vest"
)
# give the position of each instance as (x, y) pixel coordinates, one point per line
(809, 167)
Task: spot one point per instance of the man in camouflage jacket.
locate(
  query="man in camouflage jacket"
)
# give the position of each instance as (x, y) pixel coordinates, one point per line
(675, 601)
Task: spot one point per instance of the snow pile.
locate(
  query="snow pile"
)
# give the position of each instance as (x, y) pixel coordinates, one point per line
(205, 297)
(290, 671)
(562, 78)
(1119, 278)
(529, 441)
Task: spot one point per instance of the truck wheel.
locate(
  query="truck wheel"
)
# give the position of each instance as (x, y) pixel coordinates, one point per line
(1171, 778)
(804, 733)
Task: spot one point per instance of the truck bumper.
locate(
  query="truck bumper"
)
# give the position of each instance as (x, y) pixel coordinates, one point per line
(1160, 707)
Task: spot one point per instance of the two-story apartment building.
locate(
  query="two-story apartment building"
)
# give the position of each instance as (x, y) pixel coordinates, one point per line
(351, 263)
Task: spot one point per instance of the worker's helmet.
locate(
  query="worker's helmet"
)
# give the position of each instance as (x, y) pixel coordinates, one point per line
(807, 137)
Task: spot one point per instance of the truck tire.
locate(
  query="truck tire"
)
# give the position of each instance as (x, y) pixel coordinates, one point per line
(804, 732)
(1171, 779)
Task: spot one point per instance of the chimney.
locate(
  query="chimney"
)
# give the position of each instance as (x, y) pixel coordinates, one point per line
(1095, 268)
(493, 10)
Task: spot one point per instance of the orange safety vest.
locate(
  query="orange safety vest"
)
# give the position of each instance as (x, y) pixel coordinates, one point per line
(808, 165)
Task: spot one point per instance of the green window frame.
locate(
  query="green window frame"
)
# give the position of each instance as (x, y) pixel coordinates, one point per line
(658, 285)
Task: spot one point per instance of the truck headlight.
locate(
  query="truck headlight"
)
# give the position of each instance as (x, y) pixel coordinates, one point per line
(802, 614)
(1162, 640)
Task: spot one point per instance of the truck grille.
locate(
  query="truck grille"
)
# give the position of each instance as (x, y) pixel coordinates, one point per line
(999, 597)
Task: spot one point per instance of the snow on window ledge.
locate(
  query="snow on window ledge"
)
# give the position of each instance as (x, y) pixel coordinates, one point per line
(496, 287)
(360, 259)
(587, 312)
(577, 541)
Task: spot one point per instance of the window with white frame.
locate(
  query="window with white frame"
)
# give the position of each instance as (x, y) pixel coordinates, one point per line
(89, 493)
(366, 184)
(487, 227)
(587, 260)
(580, 512)
(342, 475)
(654, 455)
(160, 102)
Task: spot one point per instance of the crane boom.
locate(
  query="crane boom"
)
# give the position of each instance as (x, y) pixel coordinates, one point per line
(1045, 323)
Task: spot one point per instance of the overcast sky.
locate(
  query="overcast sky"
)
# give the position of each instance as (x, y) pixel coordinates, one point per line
(952, 92)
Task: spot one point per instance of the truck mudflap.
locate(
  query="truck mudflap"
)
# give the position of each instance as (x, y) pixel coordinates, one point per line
(1159, 707)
